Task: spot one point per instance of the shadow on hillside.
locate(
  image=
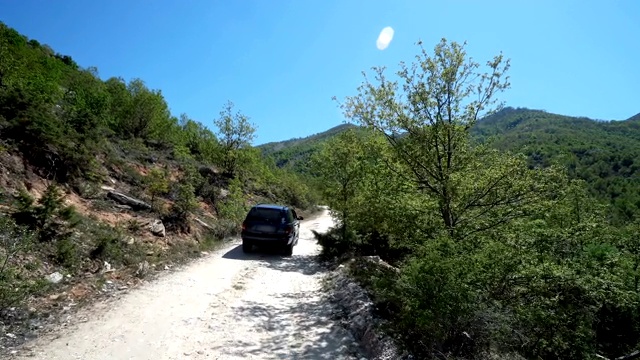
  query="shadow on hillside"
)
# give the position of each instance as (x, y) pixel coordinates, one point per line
(273, 259)
(294, 326)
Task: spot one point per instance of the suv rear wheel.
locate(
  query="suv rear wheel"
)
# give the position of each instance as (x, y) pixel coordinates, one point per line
(246, 246)
(288, 250)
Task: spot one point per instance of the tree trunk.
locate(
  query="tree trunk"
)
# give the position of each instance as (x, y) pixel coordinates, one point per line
(446, 212)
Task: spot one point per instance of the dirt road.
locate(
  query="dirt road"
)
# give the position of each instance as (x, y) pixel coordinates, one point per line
(228, 305)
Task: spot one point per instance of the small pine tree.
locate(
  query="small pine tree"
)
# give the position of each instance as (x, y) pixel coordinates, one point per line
(158, 183)
(49, 217)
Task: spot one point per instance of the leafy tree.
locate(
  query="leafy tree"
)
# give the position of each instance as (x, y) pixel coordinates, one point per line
(139, 112)
(185, 203)
(198, 140)
(233, 207)
(85, 103)
(372, 203)
(120, 103)
(426, 117)
(235, 133)
(148, 113)
(340, 166)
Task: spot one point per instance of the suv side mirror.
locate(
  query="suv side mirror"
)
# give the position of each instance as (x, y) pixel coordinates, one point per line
(300, 218)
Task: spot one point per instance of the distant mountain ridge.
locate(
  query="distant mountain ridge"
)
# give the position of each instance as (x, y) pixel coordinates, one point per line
(635, 117)
(510, 122)
(296, 152)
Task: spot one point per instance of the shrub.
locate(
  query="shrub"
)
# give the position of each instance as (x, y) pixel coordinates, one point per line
(178, 217)
(157, 183)
(14, 241)
(66, 253)
(50, 218)
(233, 207)
(335, 243)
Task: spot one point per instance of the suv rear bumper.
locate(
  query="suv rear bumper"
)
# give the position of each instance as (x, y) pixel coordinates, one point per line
(260, 241)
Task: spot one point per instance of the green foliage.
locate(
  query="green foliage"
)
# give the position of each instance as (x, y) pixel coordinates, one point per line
(295, 154)
(49, 217)
(110, 246)
(340, 165)
(293, 189)
(185, 203)
(67, 253)
(192, 176)
(185, 199)
(337, 242)
(234, 206)
(236, 133)
(199, 141)
(433, 109)
(51, 222)
(601, 153)
(15, 241)
(497, 255)
(157, 183)
(138, 112)
(374, 204)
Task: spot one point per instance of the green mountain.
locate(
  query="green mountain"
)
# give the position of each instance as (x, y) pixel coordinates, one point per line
(295, 153)
(635, 119)
(606, 154)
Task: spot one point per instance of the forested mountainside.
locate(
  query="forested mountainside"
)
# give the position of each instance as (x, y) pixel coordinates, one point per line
(295, 153)
(606, 154)
(98, 175)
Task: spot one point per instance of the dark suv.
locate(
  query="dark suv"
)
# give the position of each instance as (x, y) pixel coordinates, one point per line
(271, 225)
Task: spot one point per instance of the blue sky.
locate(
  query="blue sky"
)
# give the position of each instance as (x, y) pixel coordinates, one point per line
(281, 61)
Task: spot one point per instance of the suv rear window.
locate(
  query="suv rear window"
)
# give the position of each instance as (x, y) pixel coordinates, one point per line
(265, 214)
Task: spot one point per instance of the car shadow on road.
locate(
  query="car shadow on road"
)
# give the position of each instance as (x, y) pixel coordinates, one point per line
(296, 326)
(265, 253)
(273, 259)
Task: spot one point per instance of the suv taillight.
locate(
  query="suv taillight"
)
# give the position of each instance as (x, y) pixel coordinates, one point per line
(288, 229)
(244, 226)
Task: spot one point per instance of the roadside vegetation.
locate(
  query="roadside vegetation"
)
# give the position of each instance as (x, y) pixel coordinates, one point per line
(501, 251)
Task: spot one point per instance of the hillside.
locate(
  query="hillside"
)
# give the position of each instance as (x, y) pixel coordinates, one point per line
(295, 153)
(100, 185)
(603, 153)
(635, 119)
